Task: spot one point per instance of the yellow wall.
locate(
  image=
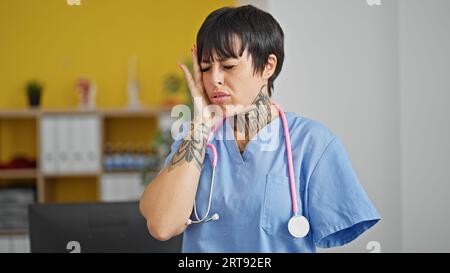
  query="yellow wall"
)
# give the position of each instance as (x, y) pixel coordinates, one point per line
(55, 43)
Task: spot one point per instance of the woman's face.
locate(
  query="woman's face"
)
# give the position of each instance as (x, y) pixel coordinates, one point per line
(231, 81)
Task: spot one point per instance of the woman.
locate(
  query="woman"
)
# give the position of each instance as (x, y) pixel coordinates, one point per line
(240, 54)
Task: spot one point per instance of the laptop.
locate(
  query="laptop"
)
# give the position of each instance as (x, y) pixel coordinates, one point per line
(93, 228)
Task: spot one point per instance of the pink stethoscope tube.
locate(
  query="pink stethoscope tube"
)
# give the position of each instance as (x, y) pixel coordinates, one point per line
(287, 139)
(214, 151)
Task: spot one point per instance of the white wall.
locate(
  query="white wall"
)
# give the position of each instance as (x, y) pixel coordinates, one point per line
(341, 68)
(425, 118)
(378, 76)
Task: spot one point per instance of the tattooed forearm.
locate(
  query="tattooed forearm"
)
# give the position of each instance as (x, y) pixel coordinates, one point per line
(193, 147)
(254, 120)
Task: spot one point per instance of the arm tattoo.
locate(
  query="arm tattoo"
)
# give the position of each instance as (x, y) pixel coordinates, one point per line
(193, 147)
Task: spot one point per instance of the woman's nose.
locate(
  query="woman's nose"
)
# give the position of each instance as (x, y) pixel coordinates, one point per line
(217, 76)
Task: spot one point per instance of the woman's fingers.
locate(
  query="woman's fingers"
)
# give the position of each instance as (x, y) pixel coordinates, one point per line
(197, 71)
(189, 80)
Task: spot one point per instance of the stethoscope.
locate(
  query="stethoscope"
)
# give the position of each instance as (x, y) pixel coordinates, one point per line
(298, 225)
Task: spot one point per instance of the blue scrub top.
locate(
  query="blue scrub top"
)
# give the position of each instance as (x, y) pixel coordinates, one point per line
(252, 192)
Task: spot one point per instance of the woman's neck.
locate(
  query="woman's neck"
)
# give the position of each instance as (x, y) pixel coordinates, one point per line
(248, 124)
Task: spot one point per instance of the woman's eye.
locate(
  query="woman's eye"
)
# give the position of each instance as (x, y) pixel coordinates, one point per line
(204, 69)
(228, 67)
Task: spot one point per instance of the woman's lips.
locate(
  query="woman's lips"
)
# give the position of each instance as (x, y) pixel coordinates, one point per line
(220, 98)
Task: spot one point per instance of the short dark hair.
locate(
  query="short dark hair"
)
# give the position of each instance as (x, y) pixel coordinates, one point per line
(257, 30)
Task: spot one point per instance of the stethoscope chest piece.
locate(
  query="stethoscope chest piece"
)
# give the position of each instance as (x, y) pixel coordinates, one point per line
(298, 226)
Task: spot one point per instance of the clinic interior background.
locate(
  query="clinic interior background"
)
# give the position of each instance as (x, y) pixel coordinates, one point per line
(374, 71)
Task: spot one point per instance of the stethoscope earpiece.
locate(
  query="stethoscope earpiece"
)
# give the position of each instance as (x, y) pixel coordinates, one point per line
(215, 217)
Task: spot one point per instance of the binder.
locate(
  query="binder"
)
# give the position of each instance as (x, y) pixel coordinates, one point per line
(91, 144)
(64, 149)
(48, 145)
(70, 144)
(77, 143)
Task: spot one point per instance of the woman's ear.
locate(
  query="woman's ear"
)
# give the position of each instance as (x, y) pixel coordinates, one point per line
(270, 66)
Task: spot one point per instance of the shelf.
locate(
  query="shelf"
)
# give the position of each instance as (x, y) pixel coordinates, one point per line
(116, 125)
(12, 232)
(122, 171)
(127, 113)
(106, 112)
(61, 175)
(129, 171)
(18, 174)
(19, 113)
